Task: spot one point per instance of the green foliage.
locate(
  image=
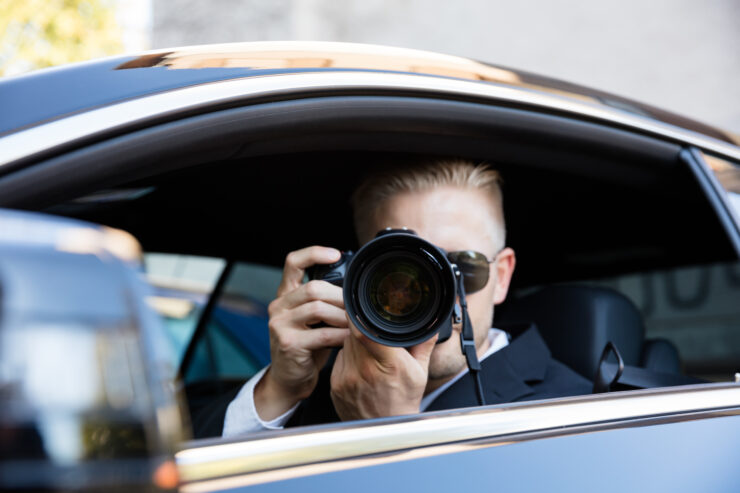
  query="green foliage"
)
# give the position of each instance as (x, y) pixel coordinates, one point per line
(42, 33)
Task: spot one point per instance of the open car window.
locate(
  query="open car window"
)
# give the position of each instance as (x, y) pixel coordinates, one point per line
(685, 296)
(582, 203)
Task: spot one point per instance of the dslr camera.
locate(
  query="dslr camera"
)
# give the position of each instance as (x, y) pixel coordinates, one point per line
(399, 290)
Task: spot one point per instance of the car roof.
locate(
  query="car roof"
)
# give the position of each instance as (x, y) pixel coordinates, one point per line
(49, 94)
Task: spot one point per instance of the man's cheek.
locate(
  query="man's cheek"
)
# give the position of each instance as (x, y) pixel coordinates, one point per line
(480, 309)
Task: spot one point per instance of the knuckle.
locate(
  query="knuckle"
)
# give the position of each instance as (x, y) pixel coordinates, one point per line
(291, 259)
(284, 341)
(315, 309)
(272, 308)
(322, 338)
(277, 332)
(313, 290)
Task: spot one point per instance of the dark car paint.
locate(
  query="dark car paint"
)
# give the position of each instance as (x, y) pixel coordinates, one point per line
(686, 457)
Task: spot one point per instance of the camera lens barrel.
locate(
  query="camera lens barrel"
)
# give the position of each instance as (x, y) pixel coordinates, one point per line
(399, 289)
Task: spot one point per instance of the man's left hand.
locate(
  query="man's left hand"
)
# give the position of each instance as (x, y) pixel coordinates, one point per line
(370, 380)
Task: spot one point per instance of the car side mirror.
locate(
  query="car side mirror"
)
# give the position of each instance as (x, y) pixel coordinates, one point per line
(83, 400)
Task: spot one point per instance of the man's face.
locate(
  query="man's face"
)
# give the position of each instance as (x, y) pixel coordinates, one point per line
(453, 218)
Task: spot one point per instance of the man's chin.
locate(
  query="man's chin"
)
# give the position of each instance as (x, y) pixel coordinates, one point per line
(445, 367)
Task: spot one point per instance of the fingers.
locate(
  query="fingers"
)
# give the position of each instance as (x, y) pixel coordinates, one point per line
(296, 263)
(298, 341)
(382, 353)
(423, 352)
(311, 291)
(324, 338)
(317, 311)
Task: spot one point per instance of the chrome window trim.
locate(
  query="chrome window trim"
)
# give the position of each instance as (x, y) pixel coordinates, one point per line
(438, 433)
(44, 137)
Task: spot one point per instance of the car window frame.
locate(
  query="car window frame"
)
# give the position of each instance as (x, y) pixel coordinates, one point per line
(205, 316)
(700, 169)
(707, 180)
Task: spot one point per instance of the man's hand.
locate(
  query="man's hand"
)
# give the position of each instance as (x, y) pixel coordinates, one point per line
(298, 352)
(370, 380)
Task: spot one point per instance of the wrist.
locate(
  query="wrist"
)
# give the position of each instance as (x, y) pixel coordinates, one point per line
(271, 399)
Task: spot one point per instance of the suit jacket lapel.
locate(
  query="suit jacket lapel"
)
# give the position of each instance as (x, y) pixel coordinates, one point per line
(505, 374)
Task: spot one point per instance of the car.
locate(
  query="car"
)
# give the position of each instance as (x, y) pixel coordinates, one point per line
(221, 159)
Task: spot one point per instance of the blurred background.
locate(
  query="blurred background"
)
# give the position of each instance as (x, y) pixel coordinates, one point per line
(681, 55)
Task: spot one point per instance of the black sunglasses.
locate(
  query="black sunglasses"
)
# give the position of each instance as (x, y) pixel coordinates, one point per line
(474, 268)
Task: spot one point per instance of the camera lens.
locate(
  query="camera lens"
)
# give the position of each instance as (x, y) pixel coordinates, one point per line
(397, 293)
(399, 289)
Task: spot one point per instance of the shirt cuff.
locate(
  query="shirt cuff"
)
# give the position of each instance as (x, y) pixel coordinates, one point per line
(241, 415)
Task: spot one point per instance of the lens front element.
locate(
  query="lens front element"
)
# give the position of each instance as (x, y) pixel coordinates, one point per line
(398, 290)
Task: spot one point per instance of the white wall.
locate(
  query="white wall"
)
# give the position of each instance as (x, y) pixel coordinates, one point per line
(682, 55)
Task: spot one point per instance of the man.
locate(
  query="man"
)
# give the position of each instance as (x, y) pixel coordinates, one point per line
(455, 205)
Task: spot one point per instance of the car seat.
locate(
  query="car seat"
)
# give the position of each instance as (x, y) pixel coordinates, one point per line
(577, 321)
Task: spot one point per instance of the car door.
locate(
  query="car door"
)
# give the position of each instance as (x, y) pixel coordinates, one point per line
(143, 169)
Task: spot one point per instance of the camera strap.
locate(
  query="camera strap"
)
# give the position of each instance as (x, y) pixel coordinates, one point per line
(467, 341)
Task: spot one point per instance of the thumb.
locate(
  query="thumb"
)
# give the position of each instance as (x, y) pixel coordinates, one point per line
(423, 352)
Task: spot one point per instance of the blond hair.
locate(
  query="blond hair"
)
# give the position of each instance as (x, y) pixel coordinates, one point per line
(456, 173)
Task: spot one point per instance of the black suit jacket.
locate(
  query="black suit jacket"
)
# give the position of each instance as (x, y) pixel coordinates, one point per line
(523, 370)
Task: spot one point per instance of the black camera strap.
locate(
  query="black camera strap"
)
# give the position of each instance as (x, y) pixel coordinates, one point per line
(467, 341)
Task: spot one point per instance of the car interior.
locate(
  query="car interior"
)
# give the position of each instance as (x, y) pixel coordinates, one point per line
(584, 202)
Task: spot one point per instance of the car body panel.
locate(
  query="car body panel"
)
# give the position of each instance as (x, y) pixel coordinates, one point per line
(333, 446)
(690, 456)
(17, 149)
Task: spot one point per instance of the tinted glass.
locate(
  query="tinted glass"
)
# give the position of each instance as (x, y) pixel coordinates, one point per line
(235, 343)
(728, 175)
(696, 309)
(182, 285)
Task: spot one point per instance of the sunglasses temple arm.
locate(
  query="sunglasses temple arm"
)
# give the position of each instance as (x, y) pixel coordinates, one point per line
(467, 341)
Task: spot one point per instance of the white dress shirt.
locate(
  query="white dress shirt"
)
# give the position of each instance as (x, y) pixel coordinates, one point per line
(241, 415)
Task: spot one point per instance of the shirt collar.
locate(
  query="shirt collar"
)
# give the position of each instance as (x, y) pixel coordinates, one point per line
(497, 339)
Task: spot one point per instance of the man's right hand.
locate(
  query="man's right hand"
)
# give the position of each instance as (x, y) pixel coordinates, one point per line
(299, 352)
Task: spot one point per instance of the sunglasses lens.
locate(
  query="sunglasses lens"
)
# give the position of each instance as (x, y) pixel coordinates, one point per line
(474, 268)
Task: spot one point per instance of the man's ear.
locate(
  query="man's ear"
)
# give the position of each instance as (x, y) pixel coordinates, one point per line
(503, 270)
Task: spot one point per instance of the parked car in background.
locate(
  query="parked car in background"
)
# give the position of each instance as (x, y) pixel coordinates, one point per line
(221, 159)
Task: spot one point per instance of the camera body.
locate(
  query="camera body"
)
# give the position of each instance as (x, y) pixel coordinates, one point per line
(399, 289)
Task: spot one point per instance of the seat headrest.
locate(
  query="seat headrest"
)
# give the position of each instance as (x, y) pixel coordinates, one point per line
(577, 322)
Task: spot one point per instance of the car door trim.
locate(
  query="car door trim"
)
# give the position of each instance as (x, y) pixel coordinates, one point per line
(493, 425)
